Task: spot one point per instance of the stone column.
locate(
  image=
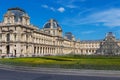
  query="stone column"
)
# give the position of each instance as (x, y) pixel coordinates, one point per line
(52, 51)
(11, 37)
(39, 51)
(18, 50)
(11, 50)
(42, 50)
(3, 37)
(4, 50)
(36, 50)
(49, 51)
(46, 50)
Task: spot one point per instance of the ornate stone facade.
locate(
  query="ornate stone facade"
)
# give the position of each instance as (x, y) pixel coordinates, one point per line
(18, 37)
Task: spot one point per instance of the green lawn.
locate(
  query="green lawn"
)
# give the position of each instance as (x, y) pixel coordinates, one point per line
(74, 62)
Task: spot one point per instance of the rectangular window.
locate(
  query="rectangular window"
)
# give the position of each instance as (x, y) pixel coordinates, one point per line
(8, 37)
(15, 37)
(15, 28)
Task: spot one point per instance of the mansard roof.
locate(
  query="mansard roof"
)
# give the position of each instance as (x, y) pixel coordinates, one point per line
(16, 8)
(90, 41)
(52, 23)
(17, 12)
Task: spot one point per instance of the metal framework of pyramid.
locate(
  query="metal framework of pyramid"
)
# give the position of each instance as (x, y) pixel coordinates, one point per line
(109, 46)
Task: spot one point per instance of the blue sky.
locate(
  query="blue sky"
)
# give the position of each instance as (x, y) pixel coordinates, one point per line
(86, 19)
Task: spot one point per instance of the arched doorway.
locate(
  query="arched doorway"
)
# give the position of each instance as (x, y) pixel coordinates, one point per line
(8, 49)
(15, 53)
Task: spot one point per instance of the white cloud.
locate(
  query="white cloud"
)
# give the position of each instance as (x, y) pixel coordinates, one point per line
(87, 32)
(71, 6)
(109, 18)
(70, 3)
(48, 7)
(61, 9)
(51, 8)
(84, 11)
(44, 6)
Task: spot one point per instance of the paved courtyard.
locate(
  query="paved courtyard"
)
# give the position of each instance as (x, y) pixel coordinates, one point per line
(19, 75)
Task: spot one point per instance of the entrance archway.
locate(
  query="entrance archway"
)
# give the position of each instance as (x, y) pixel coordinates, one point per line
(8, 49)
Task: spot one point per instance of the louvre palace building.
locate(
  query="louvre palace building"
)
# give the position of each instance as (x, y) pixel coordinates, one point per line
(20, 38)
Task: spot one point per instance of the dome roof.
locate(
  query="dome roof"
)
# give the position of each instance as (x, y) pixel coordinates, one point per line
(52, 23)
(17, 8)
(17, 12)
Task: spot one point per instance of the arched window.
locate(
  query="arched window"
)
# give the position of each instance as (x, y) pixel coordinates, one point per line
(8, 20)
(15, 37)
(26, 37)
(8, 37)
